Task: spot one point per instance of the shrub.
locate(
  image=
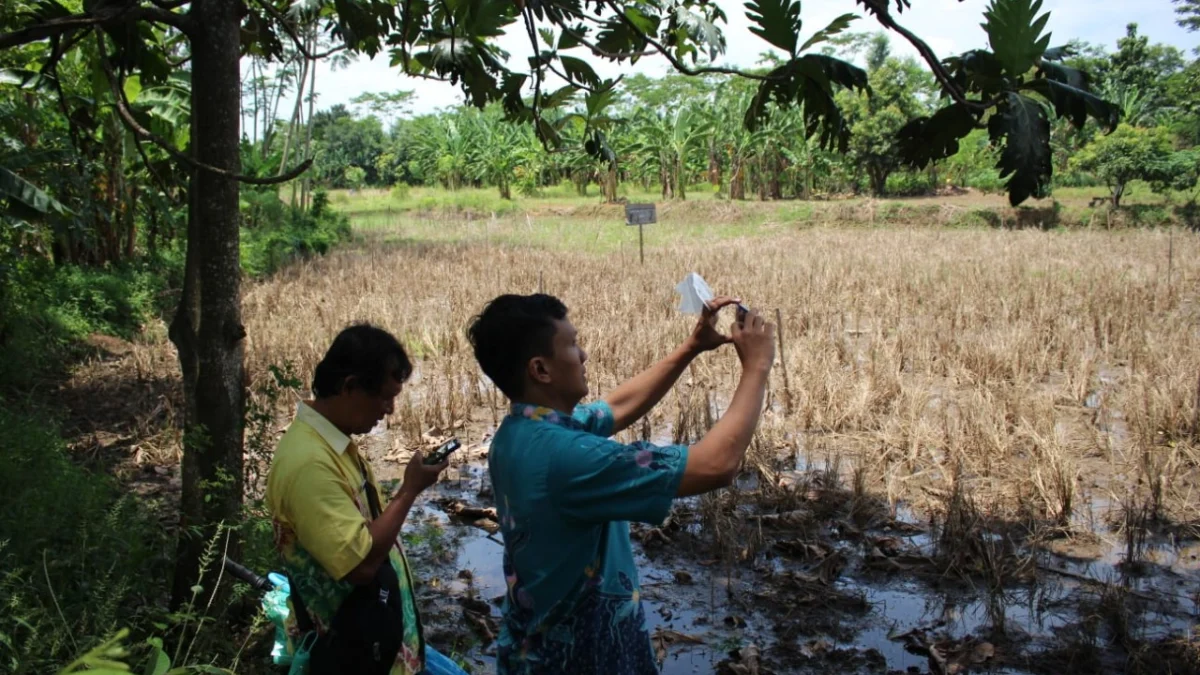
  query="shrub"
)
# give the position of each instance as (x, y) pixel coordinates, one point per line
(78, 557)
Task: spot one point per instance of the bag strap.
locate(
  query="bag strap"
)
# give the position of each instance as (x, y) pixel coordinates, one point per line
(369, 488)
(303, 619)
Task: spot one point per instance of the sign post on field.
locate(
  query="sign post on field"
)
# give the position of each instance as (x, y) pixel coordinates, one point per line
(640, 215)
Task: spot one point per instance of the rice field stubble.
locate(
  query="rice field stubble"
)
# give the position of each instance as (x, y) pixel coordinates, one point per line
(984, 456)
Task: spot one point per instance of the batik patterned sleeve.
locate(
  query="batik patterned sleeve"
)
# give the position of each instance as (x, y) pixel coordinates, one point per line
(595, 480)
(596, 418)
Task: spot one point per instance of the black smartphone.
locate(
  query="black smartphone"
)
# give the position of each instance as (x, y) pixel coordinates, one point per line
(741, 313)
(442, 452)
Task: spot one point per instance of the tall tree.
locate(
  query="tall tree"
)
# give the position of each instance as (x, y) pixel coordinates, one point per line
(900, 91)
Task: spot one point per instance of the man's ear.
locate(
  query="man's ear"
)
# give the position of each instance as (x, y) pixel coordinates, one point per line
(349, 384)
(537, 370)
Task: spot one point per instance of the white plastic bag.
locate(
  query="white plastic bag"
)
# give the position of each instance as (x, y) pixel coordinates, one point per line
(694, 294)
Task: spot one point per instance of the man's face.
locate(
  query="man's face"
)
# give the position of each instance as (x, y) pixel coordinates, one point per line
(365, 409)
(567, 374)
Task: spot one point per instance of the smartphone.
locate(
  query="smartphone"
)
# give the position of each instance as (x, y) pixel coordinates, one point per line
(741, 312)
(442, 452)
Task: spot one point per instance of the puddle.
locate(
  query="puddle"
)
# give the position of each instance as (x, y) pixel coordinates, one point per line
(706, 609)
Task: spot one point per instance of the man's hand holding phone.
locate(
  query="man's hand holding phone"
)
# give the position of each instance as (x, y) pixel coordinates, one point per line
(423, 470)
(754, 339)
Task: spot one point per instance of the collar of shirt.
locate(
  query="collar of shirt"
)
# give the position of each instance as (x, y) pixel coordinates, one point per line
(543, 414)
(332, 435)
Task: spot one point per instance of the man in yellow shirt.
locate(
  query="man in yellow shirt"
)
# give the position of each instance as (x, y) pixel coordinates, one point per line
(350, 580)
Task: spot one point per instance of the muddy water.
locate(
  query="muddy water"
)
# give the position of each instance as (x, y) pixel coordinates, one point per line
(702, 606)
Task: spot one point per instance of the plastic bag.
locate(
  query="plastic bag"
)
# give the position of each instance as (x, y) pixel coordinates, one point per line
(275, 606)
(694, 294)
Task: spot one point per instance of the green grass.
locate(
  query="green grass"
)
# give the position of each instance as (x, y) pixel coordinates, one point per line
(578, 233)
(560, 219)
(79, 558)
(1136, 192)
(486, 200)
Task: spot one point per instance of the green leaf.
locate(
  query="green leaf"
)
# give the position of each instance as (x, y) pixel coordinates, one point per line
(1021, 124)
(133, 88)
(547, 35)
(159, 662)
(616, 37)
(701, 31)
(836, 26)
(642, 22)
(778, 22)
(1015, 33)
(1077, 104)
(929, 139)
(1065, 74)
(809, 82)
(578, 70)
(25, 199)
(1058, 53)
(568, 40)
(559, 96)
(598, 101)
(26, 79)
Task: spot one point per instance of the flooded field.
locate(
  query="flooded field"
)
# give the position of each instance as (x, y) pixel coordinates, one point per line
(980, 451)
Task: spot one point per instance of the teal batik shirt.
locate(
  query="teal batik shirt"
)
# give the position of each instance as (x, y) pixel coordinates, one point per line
(565, 493)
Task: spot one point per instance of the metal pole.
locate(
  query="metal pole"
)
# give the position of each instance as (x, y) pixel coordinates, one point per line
(641, 246)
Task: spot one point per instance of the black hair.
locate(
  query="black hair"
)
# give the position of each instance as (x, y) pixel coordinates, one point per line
(511, 330)
(366, 353)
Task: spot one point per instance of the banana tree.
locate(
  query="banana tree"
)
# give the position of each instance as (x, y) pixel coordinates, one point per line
(442, 148)
(495, 150)
(670, 138)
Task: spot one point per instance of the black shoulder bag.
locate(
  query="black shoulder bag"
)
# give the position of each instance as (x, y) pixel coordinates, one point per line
(367, 630)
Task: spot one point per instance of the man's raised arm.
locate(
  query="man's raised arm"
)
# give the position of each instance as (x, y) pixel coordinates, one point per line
(633, 399)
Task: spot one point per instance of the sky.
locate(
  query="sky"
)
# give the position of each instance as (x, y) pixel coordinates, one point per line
(948, 26)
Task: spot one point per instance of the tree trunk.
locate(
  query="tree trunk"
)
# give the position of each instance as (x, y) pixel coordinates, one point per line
(207, 329)
(737, 180)
(293, 125)
(131, 221)
(714, 166)
(680, 180)
(1118, 191)
(306, 198)
(878, 178)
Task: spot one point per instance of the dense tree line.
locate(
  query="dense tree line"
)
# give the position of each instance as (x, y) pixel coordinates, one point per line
(670, 133)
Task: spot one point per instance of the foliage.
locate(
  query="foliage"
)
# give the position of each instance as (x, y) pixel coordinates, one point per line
(1133, 153)
(297, 234)
(1189, 13)
(78, 556)
(1013, 99)
(901, 90)
(46, 311)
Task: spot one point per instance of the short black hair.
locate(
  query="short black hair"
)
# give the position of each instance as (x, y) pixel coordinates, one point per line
(366, 353)
(509, 331)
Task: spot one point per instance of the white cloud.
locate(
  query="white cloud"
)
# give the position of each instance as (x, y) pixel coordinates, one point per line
(948, 26)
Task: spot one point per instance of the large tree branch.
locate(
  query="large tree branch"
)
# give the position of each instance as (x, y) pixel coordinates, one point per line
(676, 63)
(882, 14)
(618, 56)
(126, 116)
(291, 31)
(104, 15)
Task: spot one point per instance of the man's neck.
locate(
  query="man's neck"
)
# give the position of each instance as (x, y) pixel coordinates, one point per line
(326, 408)
(549, 400)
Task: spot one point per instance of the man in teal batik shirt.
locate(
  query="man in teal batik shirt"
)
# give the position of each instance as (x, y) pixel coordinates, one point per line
(565, 491)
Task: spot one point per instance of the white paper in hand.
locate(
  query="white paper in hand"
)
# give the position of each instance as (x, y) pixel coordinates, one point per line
(694, 294)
